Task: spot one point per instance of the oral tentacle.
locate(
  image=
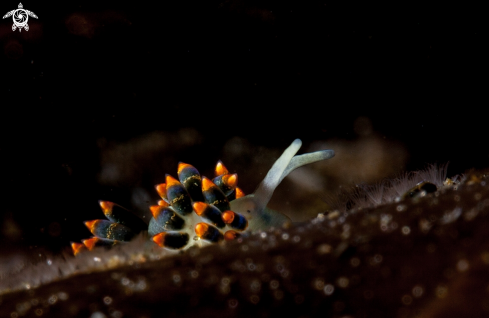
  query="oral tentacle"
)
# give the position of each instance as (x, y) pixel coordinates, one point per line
(264, 192)
(305, 159)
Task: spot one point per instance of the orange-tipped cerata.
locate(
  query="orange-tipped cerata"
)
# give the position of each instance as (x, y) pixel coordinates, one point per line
(106, 206)
(163, 203)
(91, 224)
(155, 209)
(199, 207)
(207, 184)
(228, 217)
(230, 180)
(170, 181)
(160, 239)
(182, 166)
(220, 169)
(90, 243)
(239, 193)
(161, 189)
(201, 229)
(77, 247)
(231, 235)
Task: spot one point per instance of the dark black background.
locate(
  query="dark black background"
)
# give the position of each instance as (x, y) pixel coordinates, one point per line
(268, 71)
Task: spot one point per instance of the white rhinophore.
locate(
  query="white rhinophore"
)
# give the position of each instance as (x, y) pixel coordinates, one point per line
(254, 206)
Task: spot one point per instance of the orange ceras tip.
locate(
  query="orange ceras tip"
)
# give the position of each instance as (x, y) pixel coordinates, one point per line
(155, 209)
(90, 243)
(182, 165)
(161, 189)
(159, 239)
(239, 193)
(163, 203)
(231, 235)
(207, 184)
(230, 180)
(228, 217)
(201, 229)
(221, 169)
(77, 247)
(106, 205)
(91, 224)
(170, 181)
(199, 207)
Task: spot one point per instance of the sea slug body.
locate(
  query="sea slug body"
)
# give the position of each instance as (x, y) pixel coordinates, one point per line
(198, 210)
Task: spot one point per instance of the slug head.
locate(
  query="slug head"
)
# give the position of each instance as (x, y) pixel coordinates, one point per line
(253, 206)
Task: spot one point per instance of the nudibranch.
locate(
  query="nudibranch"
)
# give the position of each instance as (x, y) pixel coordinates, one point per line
(197, 210)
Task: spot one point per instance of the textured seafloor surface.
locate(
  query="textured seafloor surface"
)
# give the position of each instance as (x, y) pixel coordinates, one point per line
(427, 257)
